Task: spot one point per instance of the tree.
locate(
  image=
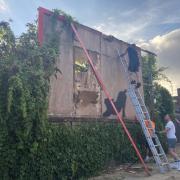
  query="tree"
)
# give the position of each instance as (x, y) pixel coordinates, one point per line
(164, 101)
(158, 99)
(25, 70)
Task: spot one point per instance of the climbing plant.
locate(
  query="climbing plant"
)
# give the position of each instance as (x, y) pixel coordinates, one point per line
(25, 70)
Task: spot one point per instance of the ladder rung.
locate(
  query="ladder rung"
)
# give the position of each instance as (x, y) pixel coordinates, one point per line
(164, 164)
(161, 154)
(156, 145)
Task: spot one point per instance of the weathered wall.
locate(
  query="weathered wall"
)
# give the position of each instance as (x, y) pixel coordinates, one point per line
(61, 91)
(76, 93)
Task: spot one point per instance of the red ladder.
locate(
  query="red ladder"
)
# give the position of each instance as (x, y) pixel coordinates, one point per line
(109, 98)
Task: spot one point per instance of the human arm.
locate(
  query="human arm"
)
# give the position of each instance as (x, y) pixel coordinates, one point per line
(178, 121)
(169, 126)
(164, 131)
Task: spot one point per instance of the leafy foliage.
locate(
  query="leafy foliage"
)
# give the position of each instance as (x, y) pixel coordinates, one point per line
(74, 153)
(68, 18)
(164, 102)
(154, 92)
(25, 69)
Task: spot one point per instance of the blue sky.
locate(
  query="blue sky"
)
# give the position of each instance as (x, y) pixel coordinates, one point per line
(150, 23)
(130, 20)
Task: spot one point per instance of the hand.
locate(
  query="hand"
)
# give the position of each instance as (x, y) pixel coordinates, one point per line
(177, 121)
(162, 132)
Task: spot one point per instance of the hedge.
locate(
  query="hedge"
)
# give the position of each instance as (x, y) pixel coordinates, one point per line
(89, 148)
(72, 152)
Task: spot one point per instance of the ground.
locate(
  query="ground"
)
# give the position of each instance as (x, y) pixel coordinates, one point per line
(137, 173)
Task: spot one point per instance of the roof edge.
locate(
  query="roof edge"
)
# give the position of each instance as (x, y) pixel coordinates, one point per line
(43, 10)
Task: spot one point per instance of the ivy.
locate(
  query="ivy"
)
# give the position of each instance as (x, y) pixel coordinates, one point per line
(25, 70)
(68, 19)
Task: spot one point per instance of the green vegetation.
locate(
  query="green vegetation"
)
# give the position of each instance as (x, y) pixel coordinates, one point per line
(25, 69)
(157, 98)
(164, 104)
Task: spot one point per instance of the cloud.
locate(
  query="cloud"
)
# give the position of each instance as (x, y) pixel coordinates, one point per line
(130, 25)
(171, 20)
(129, 12)
(143, 20)
(127, 31)
(168, 50)
(3, 6)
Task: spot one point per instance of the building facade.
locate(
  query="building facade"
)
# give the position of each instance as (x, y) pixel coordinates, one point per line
(76, 93)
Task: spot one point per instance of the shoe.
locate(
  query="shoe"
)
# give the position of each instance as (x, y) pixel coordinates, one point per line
(133, 82)
(138, 85)
(146, 159)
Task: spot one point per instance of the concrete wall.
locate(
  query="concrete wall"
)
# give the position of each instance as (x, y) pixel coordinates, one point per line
(77, 94)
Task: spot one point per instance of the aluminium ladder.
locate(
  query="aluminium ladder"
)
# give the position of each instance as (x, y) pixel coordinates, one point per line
(142, 114)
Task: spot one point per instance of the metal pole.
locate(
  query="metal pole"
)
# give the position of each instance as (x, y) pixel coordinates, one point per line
(109, 98)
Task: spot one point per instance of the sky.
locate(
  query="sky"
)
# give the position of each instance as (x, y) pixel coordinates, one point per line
(152, 24)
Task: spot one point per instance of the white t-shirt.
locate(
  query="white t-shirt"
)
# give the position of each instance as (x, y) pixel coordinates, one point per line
(171, 132)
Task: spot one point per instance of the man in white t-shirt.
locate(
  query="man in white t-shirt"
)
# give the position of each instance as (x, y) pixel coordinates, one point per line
(171, 136)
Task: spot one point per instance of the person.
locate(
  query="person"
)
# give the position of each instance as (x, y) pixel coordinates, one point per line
(133, 65)
(171, 136)
(151, 129)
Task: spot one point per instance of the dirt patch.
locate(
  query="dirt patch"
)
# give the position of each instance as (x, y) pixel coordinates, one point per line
(137, 173)
(133, 174)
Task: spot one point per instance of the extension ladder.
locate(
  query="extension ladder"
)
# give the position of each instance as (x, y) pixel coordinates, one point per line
(142, 114)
